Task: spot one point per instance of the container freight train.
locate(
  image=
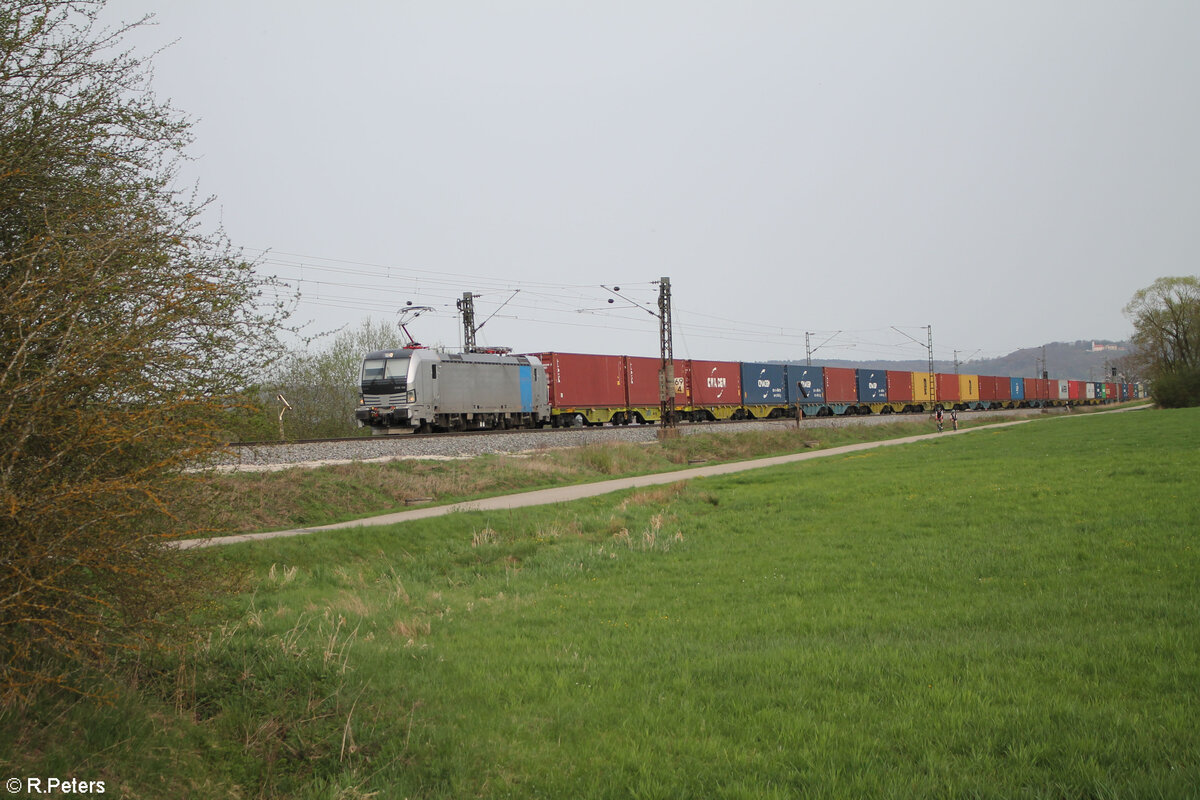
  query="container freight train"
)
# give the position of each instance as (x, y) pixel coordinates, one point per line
(429, 390)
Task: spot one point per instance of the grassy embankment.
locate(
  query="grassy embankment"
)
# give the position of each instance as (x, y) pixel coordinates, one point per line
(300, 497)
(1010, 613)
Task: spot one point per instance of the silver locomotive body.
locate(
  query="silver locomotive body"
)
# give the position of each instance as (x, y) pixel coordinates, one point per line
(430, 390)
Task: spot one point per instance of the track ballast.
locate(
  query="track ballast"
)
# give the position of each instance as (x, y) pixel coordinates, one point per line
(264, 456)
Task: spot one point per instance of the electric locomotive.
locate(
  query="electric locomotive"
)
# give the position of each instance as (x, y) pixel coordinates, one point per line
(429, 390)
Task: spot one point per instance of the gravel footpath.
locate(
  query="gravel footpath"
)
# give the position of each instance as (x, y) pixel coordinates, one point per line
(391, 448)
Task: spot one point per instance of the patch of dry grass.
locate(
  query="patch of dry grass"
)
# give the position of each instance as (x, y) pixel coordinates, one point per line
(247, 502)
(656, 495)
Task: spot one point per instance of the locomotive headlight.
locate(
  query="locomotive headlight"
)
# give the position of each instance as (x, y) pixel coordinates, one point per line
(412, 396)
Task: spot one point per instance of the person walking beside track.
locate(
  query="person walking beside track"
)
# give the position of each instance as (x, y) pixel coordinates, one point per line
(938, 417)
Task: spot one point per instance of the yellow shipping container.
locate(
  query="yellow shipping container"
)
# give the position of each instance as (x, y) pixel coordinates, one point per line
(923, 386)
(968, 388)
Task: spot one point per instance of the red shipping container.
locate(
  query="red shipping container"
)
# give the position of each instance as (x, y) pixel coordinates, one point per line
(642, 380)
(899, 387)
(1036, 389)
(841, 385)
(987, 387)
(1076, 390)
(993, 388)
(947, 387)
(585, 381)
(714, 383)
(1111, 392)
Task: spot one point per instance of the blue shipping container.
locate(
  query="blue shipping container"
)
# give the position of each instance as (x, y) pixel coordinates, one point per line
(1017, 388)
(764, 384)
(806, 385)
(872, 385)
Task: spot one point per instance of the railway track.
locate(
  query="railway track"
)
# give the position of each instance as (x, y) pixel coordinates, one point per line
(399, 436)
(410, 436)
(271, 456)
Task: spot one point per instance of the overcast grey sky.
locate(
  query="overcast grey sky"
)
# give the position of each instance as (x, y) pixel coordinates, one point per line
(1009, 173)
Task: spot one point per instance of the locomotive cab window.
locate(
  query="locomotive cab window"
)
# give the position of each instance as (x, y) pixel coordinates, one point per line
(385, 374)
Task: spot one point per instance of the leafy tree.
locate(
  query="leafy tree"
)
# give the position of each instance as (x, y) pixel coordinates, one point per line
(322, 384)
(124, 328)
(1166, 321)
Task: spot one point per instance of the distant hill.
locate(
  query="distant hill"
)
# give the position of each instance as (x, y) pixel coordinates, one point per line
(1082, 360)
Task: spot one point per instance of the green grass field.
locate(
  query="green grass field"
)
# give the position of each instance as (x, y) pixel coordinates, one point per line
(1009, 613)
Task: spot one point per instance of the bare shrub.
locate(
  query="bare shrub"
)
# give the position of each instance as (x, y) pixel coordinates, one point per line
(125, 334)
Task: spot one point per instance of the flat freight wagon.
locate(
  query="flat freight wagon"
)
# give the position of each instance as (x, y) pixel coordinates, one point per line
(591, 388)
(968, 391)
(841, 389)
(994, 391)
(1037, 392)
(713, 389)
(872, 389)
(924, 390)
(900, 389)
(764, 389)
(641, 377)
(948, 393)
(806, 389)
